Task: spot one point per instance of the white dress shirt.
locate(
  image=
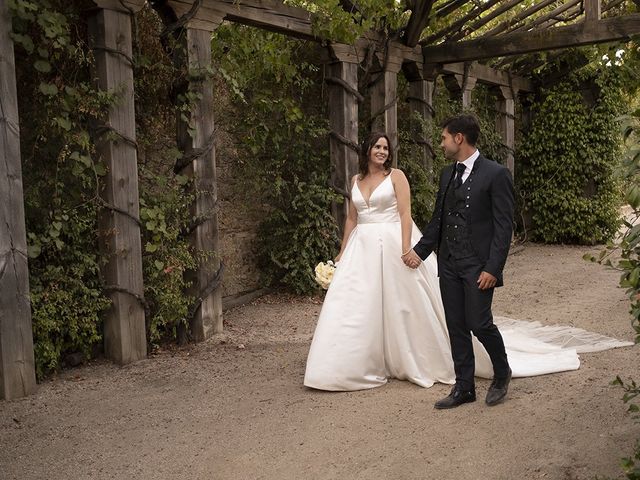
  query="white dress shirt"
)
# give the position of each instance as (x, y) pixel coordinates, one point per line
(469, 164)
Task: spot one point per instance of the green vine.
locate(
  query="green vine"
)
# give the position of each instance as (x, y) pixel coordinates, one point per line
(567, 159)
(283, 151)
(60, 175)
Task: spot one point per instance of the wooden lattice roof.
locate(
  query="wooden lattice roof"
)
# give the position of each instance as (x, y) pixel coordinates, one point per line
(441, 31)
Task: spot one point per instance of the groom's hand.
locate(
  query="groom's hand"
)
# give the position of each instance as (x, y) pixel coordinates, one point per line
(486, 281)
(411, 259)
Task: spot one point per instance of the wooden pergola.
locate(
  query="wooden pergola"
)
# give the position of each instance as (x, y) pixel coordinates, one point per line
(452, 53)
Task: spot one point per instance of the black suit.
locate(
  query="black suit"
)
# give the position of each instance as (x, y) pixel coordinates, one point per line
(483, 209)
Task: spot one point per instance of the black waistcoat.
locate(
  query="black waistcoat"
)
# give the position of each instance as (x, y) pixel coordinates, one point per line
(456, 238)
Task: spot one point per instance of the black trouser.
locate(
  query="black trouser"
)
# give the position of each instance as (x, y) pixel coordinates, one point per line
(467, 310)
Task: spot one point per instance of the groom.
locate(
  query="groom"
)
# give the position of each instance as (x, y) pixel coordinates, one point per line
(470, 230)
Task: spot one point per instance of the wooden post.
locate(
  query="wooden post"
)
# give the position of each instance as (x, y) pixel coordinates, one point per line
(505, 121)
(119, 226)
(592, 10)
(525, 102)
(197, 142)
(421, 109)
(461, 86)
(343, 122)
(17, 366)
(384, 100)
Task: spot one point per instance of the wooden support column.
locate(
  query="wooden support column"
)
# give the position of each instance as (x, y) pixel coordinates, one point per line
(119, 225)
(592, 10)
(343, 100)
(197, 143)
(421, 107)
(461, 87)
(384, 99)
(505, 122)
(17, 366)
(526, 102)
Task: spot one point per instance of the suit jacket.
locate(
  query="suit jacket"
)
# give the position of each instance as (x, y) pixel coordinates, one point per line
(489, 213)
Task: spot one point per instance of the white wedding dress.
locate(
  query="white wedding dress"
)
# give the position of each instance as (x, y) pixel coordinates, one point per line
(381, 319)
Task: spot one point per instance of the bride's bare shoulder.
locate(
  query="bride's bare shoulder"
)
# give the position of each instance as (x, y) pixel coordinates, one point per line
(398, 174)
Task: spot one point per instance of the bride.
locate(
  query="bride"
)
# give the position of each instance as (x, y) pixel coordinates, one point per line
(381, 319)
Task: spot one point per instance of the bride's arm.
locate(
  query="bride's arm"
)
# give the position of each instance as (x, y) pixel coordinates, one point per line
(403, 196)
(349, 223)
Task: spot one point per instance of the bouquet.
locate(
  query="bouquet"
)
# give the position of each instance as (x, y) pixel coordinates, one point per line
(324, 273)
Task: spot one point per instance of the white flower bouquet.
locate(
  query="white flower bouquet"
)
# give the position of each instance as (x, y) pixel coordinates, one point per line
(324, 273)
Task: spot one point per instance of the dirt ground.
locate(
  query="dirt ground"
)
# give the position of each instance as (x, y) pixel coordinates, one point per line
(234, 407)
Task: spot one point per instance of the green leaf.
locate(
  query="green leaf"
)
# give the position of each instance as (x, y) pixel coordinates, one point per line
(63, 123)
(100, 169)
(25, 41)
(42, 66)
(48, 89)
(150, 247)
(33, 251)
(182, 179)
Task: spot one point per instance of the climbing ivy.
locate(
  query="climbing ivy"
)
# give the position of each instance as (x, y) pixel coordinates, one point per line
(57, 103)
(566, 161)
(424, 184)
(59, 110)
(281, 125)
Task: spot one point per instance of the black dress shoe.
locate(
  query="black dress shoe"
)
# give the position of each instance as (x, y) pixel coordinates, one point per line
(498, 390)
(456, 398)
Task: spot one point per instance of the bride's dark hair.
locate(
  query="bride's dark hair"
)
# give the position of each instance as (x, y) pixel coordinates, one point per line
(365, 150)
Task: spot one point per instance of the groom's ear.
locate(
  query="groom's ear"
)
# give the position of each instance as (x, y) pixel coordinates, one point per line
(459, 138)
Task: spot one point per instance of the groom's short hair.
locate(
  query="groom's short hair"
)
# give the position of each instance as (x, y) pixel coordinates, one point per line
(467, 125)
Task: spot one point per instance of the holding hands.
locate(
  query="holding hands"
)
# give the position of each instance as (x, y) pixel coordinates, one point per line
(411, 259)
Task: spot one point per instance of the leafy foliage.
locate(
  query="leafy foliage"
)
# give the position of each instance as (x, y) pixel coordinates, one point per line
(275, 115)
(283, 149)
(59, 108)
(424, 184)
(61, 174)
(332, 21)
(627, 245)
(568, 158)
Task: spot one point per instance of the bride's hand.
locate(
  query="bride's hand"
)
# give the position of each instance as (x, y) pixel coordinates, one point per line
(337, 259)
(411, 259)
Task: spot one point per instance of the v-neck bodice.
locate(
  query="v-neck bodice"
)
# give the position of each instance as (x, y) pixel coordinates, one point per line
(382, 206)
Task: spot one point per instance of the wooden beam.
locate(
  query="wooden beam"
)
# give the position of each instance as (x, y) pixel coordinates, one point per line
(552, 15)
(124, 6)
(270, 15)
(484, 74)
(456, 26)
(483, 20)
(417, 22)
(449, 7)
(518, 18)
(569, 16)
(124, 326)
(551, 21)
(600, 31)
(17, 366)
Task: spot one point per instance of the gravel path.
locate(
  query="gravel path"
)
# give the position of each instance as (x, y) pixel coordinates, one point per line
(234, 407)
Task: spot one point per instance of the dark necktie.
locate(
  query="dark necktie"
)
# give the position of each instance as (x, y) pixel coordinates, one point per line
(460, 168)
